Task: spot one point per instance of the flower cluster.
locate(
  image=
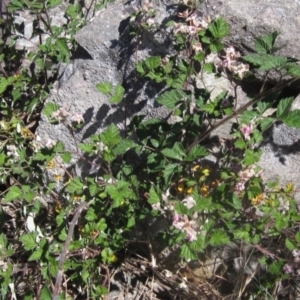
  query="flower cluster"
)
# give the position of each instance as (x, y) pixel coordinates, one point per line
(244, 176)
(61, 115)
(293, 267)
(230, 62)
(183, 223)
(192, 27)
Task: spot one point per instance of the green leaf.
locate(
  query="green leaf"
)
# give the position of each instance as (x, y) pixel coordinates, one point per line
(284, 107)
(289, 244)
(36, 255)
(196, 152)
(46, 293)
(218, 238)
(252, 156)
(62, 47)
(209, 68)
(28, 241)
(111, 136)
(154, 196)
(176, 152)
(88, 148)
(49, 108)
(219, 28)
(130, 222)
(53, 3)
(265, 123)
(169, 171)
(293, 70)
(265, 43)
(140, 68)
(153, 62)
(3, 84)
(292, 118)
(216, 46)
(104, 87)
(242, 235)
(188, 253)
(93, 189)
(170, 98)
(75, 186)
(124, 146)
(66, 157)
(199, 56)
(118, 95)
(59, 147)
(91, 215)
(13, 194)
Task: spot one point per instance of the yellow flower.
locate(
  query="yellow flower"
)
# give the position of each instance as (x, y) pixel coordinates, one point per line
(57, 207)
(112, 258)
(77, 198)
(51, 164)
(206, 171)
(58, 177)
(181, 186)
(205, 191)
(257, 200)
(196, 168)
(190, 190)
(27, 133)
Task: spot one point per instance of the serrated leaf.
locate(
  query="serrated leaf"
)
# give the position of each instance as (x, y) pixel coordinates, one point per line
(209, 68)
(46, 293)
(154, 196)
(93, 189)
(13, 194)
(172, 153)
(169, 171)
(292, 118)
(170, 98)
(240, 144)
(49, 108)
(289, 244)
(252, 157)
(273, 62)
(118, 95)
(59, 147)
(140, 68)
(199, 56)
(153, 62)
(130, 222)
(66, 157)
(91, 215)
(284, 107)
(242, 235)
(124, 146)
(104, 87)
(3, 241)
(28, 241)
(265, 43)
(188, 253)
(216, 46)
(53, 3)
(75, 186)
(219, 28)
(62, 46)
(293, 70)
(36, 255)
(196, 152)
(111, 136)
(3, 84)
(219, 237)
(88, 148)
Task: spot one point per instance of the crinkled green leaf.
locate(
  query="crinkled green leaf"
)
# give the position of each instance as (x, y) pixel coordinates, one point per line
(14, 193)
(219, 237)
(196, 152)
(49, 108)
(219, 28)
(284, 107)
(111, 136)
(28, 241)
(292, 118)
(170, 98)
(265, 43)
(124, 146)
(153, 62)
(118, 94)
(104, 87)
(3, 84)
(154, 196)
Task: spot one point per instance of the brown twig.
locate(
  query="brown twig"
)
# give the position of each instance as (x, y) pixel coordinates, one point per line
(63, 255)
(260, 96)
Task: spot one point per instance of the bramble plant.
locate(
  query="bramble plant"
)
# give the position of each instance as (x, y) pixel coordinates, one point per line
(208, 202)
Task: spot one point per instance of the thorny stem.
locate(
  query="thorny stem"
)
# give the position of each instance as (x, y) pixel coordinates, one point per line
(240, 110)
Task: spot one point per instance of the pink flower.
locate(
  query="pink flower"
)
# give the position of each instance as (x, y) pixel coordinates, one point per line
(247, 130)
(288, 269)
(77, 118)
(60, 115)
